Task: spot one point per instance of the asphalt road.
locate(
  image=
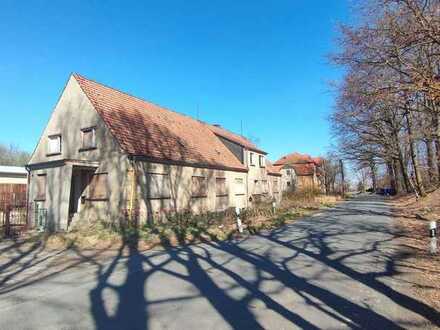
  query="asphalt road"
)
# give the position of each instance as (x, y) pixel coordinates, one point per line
(333, 270)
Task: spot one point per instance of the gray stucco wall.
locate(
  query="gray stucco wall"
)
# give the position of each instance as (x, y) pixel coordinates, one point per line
(72, 113)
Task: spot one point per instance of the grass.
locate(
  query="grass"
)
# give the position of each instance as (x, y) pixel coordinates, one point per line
(185, 228)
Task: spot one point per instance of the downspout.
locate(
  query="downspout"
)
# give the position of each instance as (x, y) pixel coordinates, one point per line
(28, 170)
(133, 188)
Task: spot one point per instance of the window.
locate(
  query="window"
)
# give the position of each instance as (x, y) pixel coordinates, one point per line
(158, 186)
(288, 183)
(265, 186)
(239, 186)
(40, 187)
(275, 185)
(88, 138)
(288, 172)
(257, 187)
(199, 186)
(251, 159)
(98, 187)
(261, 161)
(54, 145)
(220, 187)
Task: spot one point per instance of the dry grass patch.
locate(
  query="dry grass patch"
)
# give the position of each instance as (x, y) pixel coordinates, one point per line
(424, 268)
(185, 228)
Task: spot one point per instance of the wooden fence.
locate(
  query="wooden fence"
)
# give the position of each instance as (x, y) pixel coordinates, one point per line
(13, 209)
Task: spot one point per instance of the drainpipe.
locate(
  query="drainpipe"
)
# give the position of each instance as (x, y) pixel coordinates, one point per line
(133, 188)
(28, 170)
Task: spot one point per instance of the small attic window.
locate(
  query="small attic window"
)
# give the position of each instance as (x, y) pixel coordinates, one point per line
(54, 144)
(88, 137)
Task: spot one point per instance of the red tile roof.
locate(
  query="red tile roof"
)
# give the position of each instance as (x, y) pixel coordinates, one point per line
(294, 158)
(272, 169)
(318, 161)
(304, 169)
(145, 129)
(239, 139)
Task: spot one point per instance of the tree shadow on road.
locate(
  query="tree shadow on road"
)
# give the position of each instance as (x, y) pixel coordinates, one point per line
(239, 280)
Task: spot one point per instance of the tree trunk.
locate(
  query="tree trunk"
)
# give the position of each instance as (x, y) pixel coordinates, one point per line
(436, 125)
(399, 185)
(413, 154)
(373, 175)
(392, 176)
(403, 170)
(431, 169)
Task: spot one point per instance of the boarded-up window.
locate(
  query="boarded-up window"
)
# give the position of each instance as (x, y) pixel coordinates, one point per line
(221, 203)
(265, 186)
(275, 185)
(158, 185)
(54, 144)
(240, 188)
(257, 187)
(199, 186)
(88, 138)
(220, 187)
(98, 186)
(40, 187)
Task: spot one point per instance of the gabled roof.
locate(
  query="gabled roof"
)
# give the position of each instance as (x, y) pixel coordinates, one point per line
(145, 129)
(294, 158)
(239, 139)
(304, 169)
(272, 169)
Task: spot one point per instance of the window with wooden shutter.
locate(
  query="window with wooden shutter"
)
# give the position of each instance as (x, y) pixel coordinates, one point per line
(88, 138)
(220, 187)
(275, 185)
(265, 186)
(54, 145)
(98, 187)
(240, 188)
(158, 186)
(199, 186)
(40, 185)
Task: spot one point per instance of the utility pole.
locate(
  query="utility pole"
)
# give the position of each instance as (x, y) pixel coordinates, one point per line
(342, 178)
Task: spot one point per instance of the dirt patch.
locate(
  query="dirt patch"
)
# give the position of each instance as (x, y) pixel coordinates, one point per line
(422, 267)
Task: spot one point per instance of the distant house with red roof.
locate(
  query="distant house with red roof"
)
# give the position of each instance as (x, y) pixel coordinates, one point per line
(105, 154)
(300, 171)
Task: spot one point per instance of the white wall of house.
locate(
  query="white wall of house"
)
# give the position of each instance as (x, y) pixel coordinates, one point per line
(165, 188)
(13, 175)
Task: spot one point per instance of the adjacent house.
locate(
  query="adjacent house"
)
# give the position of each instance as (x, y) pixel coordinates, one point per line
(13, 183)
(108, 155)
(300, 172)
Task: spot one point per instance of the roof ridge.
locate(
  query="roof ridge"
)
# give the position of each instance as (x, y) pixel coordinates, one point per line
(172, 136)
(75, 74)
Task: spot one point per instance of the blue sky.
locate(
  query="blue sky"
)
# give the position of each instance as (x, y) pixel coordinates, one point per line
(262, 63)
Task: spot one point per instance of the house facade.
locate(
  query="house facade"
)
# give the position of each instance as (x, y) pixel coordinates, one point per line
(106, 155)
(300, 172)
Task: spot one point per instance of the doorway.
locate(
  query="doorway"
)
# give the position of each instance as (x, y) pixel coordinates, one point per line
(81, 178)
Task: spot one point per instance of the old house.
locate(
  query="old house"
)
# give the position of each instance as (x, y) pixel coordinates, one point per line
(106, 155)
(300, 172)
